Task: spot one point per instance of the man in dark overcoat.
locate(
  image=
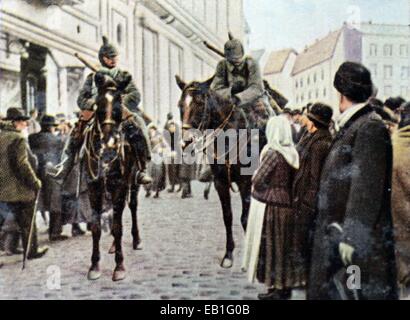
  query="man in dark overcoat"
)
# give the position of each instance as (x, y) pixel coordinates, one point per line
(48, 147)
(354, 224)
(313, 150)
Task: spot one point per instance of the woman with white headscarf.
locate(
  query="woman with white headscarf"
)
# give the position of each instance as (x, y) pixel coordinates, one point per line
(270, 221)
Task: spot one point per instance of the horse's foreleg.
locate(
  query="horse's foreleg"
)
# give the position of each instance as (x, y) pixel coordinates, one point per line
(95, 195)
(245, 188)
(225, 198)
(118, 204)
(133, 205)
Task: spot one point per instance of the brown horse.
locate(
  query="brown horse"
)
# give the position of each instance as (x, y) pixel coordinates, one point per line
(110, 168)
(201, 108)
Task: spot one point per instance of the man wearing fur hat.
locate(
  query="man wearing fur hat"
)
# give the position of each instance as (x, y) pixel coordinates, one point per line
(135, 129)
(238, 78)
(354, 231)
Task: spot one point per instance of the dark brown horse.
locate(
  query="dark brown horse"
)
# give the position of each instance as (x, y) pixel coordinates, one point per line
(201, 108)
(110, 167)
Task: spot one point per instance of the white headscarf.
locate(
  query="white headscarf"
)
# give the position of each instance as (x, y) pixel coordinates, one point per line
(279, 136)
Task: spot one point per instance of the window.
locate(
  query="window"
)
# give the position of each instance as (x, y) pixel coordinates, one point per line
(388, 50)
(317, 93)
(324, 92)
(302, 98)
(310, 95)
(323, 74)
(404, 50)
(308, 80)
(301, 83)
(373, 69)
(296, 84)
(314, 78)
(405, 72)
(297, 99)
(31, 92)
(373, 49)
(388, 72)
(119, 34)
(388, 90)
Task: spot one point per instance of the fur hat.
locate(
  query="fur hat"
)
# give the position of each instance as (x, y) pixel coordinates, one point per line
(106, 50)
(354, 81)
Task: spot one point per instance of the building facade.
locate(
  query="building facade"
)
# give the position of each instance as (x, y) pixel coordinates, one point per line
(384, 49)
(386, 52)
(157, 39)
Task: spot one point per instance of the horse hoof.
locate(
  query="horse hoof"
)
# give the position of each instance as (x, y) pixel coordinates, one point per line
(93, 275)
(112, 249)
(227, 263)
(118, 275)
(137, 245)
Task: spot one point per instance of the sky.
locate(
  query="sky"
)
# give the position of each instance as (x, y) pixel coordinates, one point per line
(278, 24)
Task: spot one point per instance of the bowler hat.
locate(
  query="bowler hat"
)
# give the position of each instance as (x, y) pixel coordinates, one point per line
(16, 114)
(354, 81)
(48, 120)
(321, 113)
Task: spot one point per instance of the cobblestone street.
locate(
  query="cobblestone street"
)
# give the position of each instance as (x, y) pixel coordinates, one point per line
(183, 241)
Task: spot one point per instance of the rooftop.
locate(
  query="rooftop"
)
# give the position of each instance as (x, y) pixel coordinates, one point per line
(320, 51)
(277, 60)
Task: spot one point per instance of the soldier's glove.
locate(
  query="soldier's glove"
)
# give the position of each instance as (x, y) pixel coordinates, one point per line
(346, 253)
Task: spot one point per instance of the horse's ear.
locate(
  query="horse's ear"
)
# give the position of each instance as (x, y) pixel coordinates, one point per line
(181, 84)
(230, 35)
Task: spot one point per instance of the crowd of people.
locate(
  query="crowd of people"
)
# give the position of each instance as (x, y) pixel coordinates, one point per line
(330, 194)
(36, 145)
(331, 191)
(41, 142)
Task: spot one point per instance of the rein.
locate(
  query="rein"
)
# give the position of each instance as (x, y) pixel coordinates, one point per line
(211, 139)
(91, 132)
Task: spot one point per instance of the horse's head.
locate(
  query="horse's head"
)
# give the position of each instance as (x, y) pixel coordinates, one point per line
(193, 106)
(108, 116)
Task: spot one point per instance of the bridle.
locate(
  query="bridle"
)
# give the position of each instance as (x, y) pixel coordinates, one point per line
(210, 138)
(94, 133)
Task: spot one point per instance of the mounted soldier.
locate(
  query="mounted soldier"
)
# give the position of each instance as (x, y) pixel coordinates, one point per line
(238, 78)
(134, 126)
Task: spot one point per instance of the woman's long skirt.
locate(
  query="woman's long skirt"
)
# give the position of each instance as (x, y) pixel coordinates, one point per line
(253, 238)
(275, 266)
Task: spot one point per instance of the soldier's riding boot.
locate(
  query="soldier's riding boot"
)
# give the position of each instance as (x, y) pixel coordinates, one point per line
(137, 137)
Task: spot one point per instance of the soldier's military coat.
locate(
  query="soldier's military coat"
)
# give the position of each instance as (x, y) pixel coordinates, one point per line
(130, 94)
(245, 83)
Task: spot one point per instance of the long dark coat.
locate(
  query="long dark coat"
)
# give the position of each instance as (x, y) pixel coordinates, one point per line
(48, 148)
(355, 193)
(313, 151)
